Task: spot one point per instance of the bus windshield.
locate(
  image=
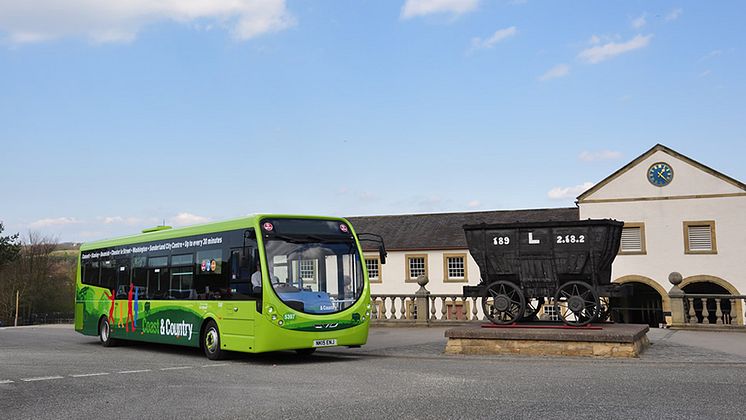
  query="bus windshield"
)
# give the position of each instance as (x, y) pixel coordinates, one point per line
(313, 275)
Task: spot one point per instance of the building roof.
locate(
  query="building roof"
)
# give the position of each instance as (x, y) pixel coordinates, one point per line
(669, 151)
(445, 230)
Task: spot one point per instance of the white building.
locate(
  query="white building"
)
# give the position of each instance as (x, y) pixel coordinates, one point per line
(679, 215)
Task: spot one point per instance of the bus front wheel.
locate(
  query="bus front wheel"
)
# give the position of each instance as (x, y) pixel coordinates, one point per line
(211, 342)
(104, 333)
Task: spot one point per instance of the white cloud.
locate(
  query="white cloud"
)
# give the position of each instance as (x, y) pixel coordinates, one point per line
(639, 22)
(415, 8)
(600, 53)
(711, 54)
(499, 35)
(473, 204)
(119, 220)
(121, 20)
(587, 156)
(561, 193)
(59, 221)
(184, 218)
(560, 70)
(673, 15)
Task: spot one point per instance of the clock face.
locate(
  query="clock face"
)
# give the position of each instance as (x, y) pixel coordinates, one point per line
(660, 174)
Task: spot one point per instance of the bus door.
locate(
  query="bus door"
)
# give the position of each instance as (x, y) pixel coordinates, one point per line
(239, 311)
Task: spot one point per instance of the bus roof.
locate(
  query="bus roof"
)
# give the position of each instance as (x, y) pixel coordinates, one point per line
(205, 228)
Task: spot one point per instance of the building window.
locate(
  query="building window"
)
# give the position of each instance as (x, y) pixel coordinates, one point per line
(699, 238)
(373, 264)
(454, 267)
(416, 266)
(551, 313)
(633, 239)
(307, 270)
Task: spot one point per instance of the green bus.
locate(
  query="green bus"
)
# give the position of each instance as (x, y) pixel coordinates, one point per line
(255, 284)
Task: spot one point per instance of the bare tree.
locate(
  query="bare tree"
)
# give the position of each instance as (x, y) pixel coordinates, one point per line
(31, 274)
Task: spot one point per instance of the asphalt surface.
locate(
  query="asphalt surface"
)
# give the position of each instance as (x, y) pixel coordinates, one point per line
(53, 372)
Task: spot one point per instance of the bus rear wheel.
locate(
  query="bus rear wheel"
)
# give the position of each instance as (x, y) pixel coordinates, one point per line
(211, 342)
(104, 333)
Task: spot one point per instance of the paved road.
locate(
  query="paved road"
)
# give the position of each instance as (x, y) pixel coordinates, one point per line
(53, 372)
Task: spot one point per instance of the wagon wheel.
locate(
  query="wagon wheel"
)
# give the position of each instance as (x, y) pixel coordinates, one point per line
(533, 305)
(577, 303)
(503, 302)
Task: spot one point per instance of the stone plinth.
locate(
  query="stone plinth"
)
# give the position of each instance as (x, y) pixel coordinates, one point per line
(612, 340)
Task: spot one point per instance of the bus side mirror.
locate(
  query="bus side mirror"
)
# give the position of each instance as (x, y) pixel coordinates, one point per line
(382, 253)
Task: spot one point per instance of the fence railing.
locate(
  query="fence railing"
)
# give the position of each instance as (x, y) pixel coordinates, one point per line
(426, 308)
(423, 308)
(707, 309)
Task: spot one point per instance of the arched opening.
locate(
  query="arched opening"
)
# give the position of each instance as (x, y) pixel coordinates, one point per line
(711, 285)
(641, 303)
(707, 288)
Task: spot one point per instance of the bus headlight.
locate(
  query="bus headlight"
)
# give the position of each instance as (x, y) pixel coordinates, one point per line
(270, 309)
(280, 322)
(274, 317)
(367, 313)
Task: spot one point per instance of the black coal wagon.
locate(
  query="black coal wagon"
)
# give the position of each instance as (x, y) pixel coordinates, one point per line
(524, 265)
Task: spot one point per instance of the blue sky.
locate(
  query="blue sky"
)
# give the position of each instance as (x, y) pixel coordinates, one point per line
(117, 115)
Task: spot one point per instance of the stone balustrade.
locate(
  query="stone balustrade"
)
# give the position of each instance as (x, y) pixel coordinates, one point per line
(702, 310)
(424, 308)
(710, 311)
(428, 309)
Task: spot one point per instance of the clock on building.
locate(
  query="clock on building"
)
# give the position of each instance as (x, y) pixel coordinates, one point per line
(660, 174)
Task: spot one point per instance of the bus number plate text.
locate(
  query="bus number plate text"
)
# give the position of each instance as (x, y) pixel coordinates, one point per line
(325, 343)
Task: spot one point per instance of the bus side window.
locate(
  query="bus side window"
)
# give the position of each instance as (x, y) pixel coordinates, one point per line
(91, 272)
(158, 279)
(241, 271)
(108, 277)
(122, 268)
(182, 277)
(140, 276)
(211, 280)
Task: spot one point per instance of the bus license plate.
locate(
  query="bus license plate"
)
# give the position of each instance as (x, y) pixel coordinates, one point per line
(325, 343)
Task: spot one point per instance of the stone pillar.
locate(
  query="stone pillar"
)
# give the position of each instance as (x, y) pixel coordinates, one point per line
(422, 302)
(677, 296)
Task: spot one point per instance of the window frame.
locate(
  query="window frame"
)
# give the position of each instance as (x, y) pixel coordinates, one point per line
(713, 237)
(407, 258)
(377, 258)
(643, 245)
(314, 269)
(446, 275)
